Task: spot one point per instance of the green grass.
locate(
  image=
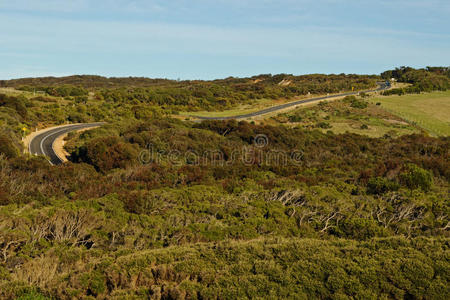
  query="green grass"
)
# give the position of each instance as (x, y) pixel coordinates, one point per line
(250, 108)
(247, 108)
(372, 121)
(225, 113)
(14, 92)
(375, 127)
(429, 111)
(240, 110)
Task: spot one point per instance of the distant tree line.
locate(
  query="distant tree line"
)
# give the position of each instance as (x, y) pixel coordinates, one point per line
(223, 94)
(421, 80)
(57, 91)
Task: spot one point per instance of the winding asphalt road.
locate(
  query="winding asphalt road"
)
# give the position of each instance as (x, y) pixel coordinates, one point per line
(382, 86)
(42, 144)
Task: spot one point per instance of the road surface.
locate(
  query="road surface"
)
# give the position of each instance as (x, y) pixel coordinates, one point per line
(382, 86)
(42, 144)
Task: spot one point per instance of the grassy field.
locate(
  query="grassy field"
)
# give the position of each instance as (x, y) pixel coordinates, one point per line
(35, 97)
(14, 92)
(258, 105)
(249, 108)
(429, 111)
(240, 110)
(375, 127)
(226, 113)
(397, 115)
(340, 117)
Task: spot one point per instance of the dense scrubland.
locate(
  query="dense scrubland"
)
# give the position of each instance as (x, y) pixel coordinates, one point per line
(361, 115)
(194, 95)
(155, 207)
(421, 80)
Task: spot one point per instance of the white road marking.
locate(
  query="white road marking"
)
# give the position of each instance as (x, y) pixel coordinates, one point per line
(67, 128)
(59, 131)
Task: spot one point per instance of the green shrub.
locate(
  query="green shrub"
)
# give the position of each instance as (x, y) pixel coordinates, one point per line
(349, 99)
(324, 125)
(358, 104)
(295, 118)
(16, 103)
(381, 185)
(106, 153)
(7, 146)
(415, 177)
(32, 295)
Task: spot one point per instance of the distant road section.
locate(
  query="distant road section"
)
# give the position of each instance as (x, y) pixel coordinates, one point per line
(382, 86)
(42, 143)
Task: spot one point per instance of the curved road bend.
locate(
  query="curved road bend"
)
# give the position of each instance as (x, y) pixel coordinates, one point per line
(42, 144)
(381, 87)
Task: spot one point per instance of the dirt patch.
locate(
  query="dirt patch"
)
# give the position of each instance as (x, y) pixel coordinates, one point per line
(395, 122)
(284, 82)
(58, 147)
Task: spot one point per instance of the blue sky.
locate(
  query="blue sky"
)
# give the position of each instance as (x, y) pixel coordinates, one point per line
(206, 39)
